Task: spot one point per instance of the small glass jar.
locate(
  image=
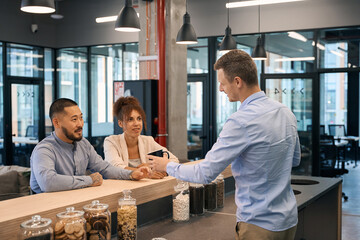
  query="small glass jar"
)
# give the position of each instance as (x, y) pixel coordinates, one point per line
(127, 217)
(210, 196)
(36, 228)
(70, 224)
(196, 199)
(98, 221)
(220, 191)
(181, 202)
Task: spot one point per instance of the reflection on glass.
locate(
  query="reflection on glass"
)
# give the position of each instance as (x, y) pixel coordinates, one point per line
(296, 94)
(72, 75)
(24, 61)
(130, 61)
(333, 99)
(48, 88)
(289, 52)
(197, 57)
(194, 119)
(340, 48)
(25, 121)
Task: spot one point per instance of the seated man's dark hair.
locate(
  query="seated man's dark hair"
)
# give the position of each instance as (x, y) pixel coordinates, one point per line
(59, 104)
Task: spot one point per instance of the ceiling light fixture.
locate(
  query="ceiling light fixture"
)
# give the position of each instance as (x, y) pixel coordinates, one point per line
(128, 20)
(228, 43)
(57, 15)
(337, 53)
(259, 52)
(38, 6)
(106, 19)
(257, 2)
(320, 46)
(295, 59)
(297, 36)
(186, 34)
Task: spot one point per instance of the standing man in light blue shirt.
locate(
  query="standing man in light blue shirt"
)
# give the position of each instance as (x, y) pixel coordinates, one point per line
(261, 143)
(60, 161)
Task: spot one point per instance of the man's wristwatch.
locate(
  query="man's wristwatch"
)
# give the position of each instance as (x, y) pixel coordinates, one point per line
(130, 175)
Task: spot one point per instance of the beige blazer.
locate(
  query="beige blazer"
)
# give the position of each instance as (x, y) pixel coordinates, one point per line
(116, 153)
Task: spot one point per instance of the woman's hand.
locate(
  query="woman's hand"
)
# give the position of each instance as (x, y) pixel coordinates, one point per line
(157, 175)
(140, 173)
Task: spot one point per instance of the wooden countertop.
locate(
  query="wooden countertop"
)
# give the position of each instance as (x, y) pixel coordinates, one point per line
(15, 211)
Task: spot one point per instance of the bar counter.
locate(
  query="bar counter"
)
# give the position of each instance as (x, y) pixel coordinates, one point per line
(315, 203)
(15, 211)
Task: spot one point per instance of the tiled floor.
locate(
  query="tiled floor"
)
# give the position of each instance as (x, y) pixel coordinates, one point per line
(351, 208)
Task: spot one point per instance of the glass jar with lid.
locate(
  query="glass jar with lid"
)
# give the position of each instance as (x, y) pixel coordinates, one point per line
(196, 198)
(181, 202)
(36, 228)
(70, 224)
(220, 191)
(127, 217)
(210, 196)
(98, 221)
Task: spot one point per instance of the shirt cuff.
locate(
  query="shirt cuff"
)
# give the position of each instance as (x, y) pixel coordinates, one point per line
(170, 168)
(87, 181)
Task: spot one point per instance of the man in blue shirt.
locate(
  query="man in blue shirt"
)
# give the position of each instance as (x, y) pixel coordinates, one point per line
(261, 143)
(60, 161)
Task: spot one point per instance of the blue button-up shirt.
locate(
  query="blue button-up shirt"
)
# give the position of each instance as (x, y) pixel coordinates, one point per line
(57, 165)
(260, 140)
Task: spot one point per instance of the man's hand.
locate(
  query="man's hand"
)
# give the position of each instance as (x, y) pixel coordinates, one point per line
(157, 175)
(140, 173)
(97, 179)
(157, 163)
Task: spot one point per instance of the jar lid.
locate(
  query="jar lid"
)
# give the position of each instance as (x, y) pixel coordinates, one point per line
(127, 199)
(70, 213)
(96, 206)
(181, 186)
(196, 185)
(36, 222)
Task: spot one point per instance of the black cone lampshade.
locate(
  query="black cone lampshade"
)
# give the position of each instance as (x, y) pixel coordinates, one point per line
(186, 34)
(259, 52)
(228, 43)
(128, 20)
(38, 6)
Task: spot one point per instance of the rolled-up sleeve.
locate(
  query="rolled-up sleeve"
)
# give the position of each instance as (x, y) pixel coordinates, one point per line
(113, 155)
(43, 168)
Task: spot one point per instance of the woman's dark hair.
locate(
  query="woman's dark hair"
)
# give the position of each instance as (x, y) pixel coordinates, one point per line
(125, 105)
(59, 104)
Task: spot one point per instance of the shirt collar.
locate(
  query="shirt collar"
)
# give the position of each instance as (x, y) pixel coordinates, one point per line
(62, 143)
(251, 98)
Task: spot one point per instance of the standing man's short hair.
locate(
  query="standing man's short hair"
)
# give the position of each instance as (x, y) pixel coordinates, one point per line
(58, 106)
(238, 63)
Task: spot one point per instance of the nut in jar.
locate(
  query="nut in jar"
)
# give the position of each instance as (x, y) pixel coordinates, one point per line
(127, 217)
(98, 221)
(70, 225)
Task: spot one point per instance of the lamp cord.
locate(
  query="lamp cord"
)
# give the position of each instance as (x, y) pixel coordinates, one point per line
(259, 17)
(228, 14)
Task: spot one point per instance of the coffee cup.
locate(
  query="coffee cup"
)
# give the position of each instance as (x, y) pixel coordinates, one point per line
(159, 153)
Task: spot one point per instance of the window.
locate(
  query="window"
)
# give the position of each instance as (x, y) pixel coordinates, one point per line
(24, 61)
(48, 88)
(197, 57)
(72, 75)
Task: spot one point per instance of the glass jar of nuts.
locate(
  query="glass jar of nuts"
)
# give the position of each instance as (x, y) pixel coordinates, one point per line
(98, 221)
(70, 225)
(36, 228)
(127, 217)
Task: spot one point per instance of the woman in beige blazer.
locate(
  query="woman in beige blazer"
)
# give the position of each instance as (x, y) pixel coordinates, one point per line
(128, 150)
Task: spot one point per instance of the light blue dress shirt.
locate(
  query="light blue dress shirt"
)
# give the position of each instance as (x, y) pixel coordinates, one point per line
(57, 165)
(260, 140)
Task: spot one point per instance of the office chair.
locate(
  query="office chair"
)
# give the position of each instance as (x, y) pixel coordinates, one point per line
(31, 131)
(337, 130)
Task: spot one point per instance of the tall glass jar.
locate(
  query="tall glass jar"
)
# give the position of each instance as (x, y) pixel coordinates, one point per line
(36, 228)
(220, 191)
(98, 221)
(196, 199)
(127, 217)
(70, 224)
(181, 202)
(210, 196)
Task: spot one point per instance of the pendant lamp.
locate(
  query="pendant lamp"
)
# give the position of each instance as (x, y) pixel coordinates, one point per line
(259, 52)
(228, 43)
(38, 6)
(186, 34)
(128, 20)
